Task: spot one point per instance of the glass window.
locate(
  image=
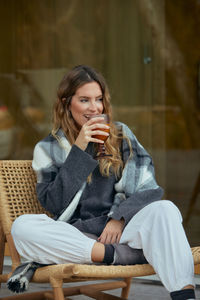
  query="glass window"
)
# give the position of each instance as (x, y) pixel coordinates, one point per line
(149, 58)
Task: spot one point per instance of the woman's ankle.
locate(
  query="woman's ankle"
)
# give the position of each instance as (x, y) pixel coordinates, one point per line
(103, 253)
(188, 287)
(98, 252)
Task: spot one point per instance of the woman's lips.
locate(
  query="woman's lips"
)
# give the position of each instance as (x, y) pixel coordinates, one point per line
(88, 116)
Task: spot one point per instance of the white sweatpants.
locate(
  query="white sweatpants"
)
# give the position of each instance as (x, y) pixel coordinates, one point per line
(157, 229)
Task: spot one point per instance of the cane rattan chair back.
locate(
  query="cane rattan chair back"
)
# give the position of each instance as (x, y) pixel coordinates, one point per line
(17, 197)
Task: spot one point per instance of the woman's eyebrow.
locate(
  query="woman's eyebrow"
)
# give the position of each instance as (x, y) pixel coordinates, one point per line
(84, 97)
(90, 97)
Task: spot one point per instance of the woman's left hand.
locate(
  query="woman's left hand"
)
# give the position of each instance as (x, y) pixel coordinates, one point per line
(112, 232)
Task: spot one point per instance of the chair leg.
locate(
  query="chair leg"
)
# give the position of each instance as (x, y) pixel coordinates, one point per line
(2, 249)
(57, 288)
(13, 252)
(58, 293)
(125, 290)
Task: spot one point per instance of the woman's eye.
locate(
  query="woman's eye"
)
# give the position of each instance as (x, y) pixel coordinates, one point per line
(100, 99)
(83, 100)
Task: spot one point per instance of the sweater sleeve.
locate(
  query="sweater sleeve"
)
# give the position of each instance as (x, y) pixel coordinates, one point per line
(137, 186)
(57, 183)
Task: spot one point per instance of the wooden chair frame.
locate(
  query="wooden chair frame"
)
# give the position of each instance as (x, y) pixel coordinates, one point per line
(17, 197)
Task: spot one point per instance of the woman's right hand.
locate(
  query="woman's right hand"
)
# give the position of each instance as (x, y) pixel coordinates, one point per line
(88, 130)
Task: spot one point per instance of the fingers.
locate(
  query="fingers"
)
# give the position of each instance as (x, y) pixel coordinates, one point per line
(93, 140)
(112, 232)
(92, 127)
(97, 136)
(94, 135)
(93, 132)
(88, 127)
(109, 238)
(118, 238)
(95, 120)
(113, 239)
(98, 131)
(102, 238)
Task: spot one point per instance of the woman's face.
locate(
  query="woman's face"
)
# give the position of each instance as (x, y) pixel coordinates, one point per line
(87, 101)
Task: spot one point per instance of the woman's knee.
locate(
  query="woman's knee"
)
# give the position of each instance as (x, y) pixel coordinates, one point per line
(22, 227)
(166, 208)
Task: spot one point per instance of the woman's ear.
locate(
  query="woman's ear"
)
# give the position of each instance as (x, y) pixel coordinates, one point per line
(64, 101)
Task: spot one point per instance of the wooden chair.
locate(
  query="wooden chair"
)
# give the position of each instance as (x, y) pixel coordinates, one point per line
(17, 197)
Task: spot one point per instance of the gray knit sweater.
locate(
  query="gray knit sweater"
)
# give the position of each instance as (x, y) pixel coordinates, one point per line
(61, 173)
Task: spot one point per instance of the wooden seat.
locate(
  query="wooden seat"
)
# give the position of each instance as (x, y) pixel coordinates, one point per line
(17, 197)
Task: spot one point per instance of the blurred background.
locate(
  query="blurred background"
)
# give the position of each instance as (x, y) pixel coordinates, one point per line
(149, 52)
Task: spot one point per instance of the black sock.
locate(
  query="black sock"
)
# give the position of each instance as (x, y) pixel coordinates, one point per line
(109, 254)
(183, 294)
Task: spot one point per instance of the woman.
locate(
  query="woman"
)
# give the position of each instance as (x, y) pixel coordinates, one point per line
(102, 210)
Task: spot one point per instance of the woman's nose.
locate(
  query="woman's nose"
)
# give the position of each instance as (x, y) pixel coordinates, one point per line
(93, 106)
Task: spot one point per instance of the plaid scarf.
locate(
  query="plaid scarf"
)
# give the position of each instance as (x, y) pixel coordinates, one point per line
(22, 275)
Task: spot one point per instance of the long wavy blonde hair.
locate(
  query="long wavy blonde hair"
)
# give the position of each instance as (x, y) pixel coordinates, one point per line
(62, 117)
